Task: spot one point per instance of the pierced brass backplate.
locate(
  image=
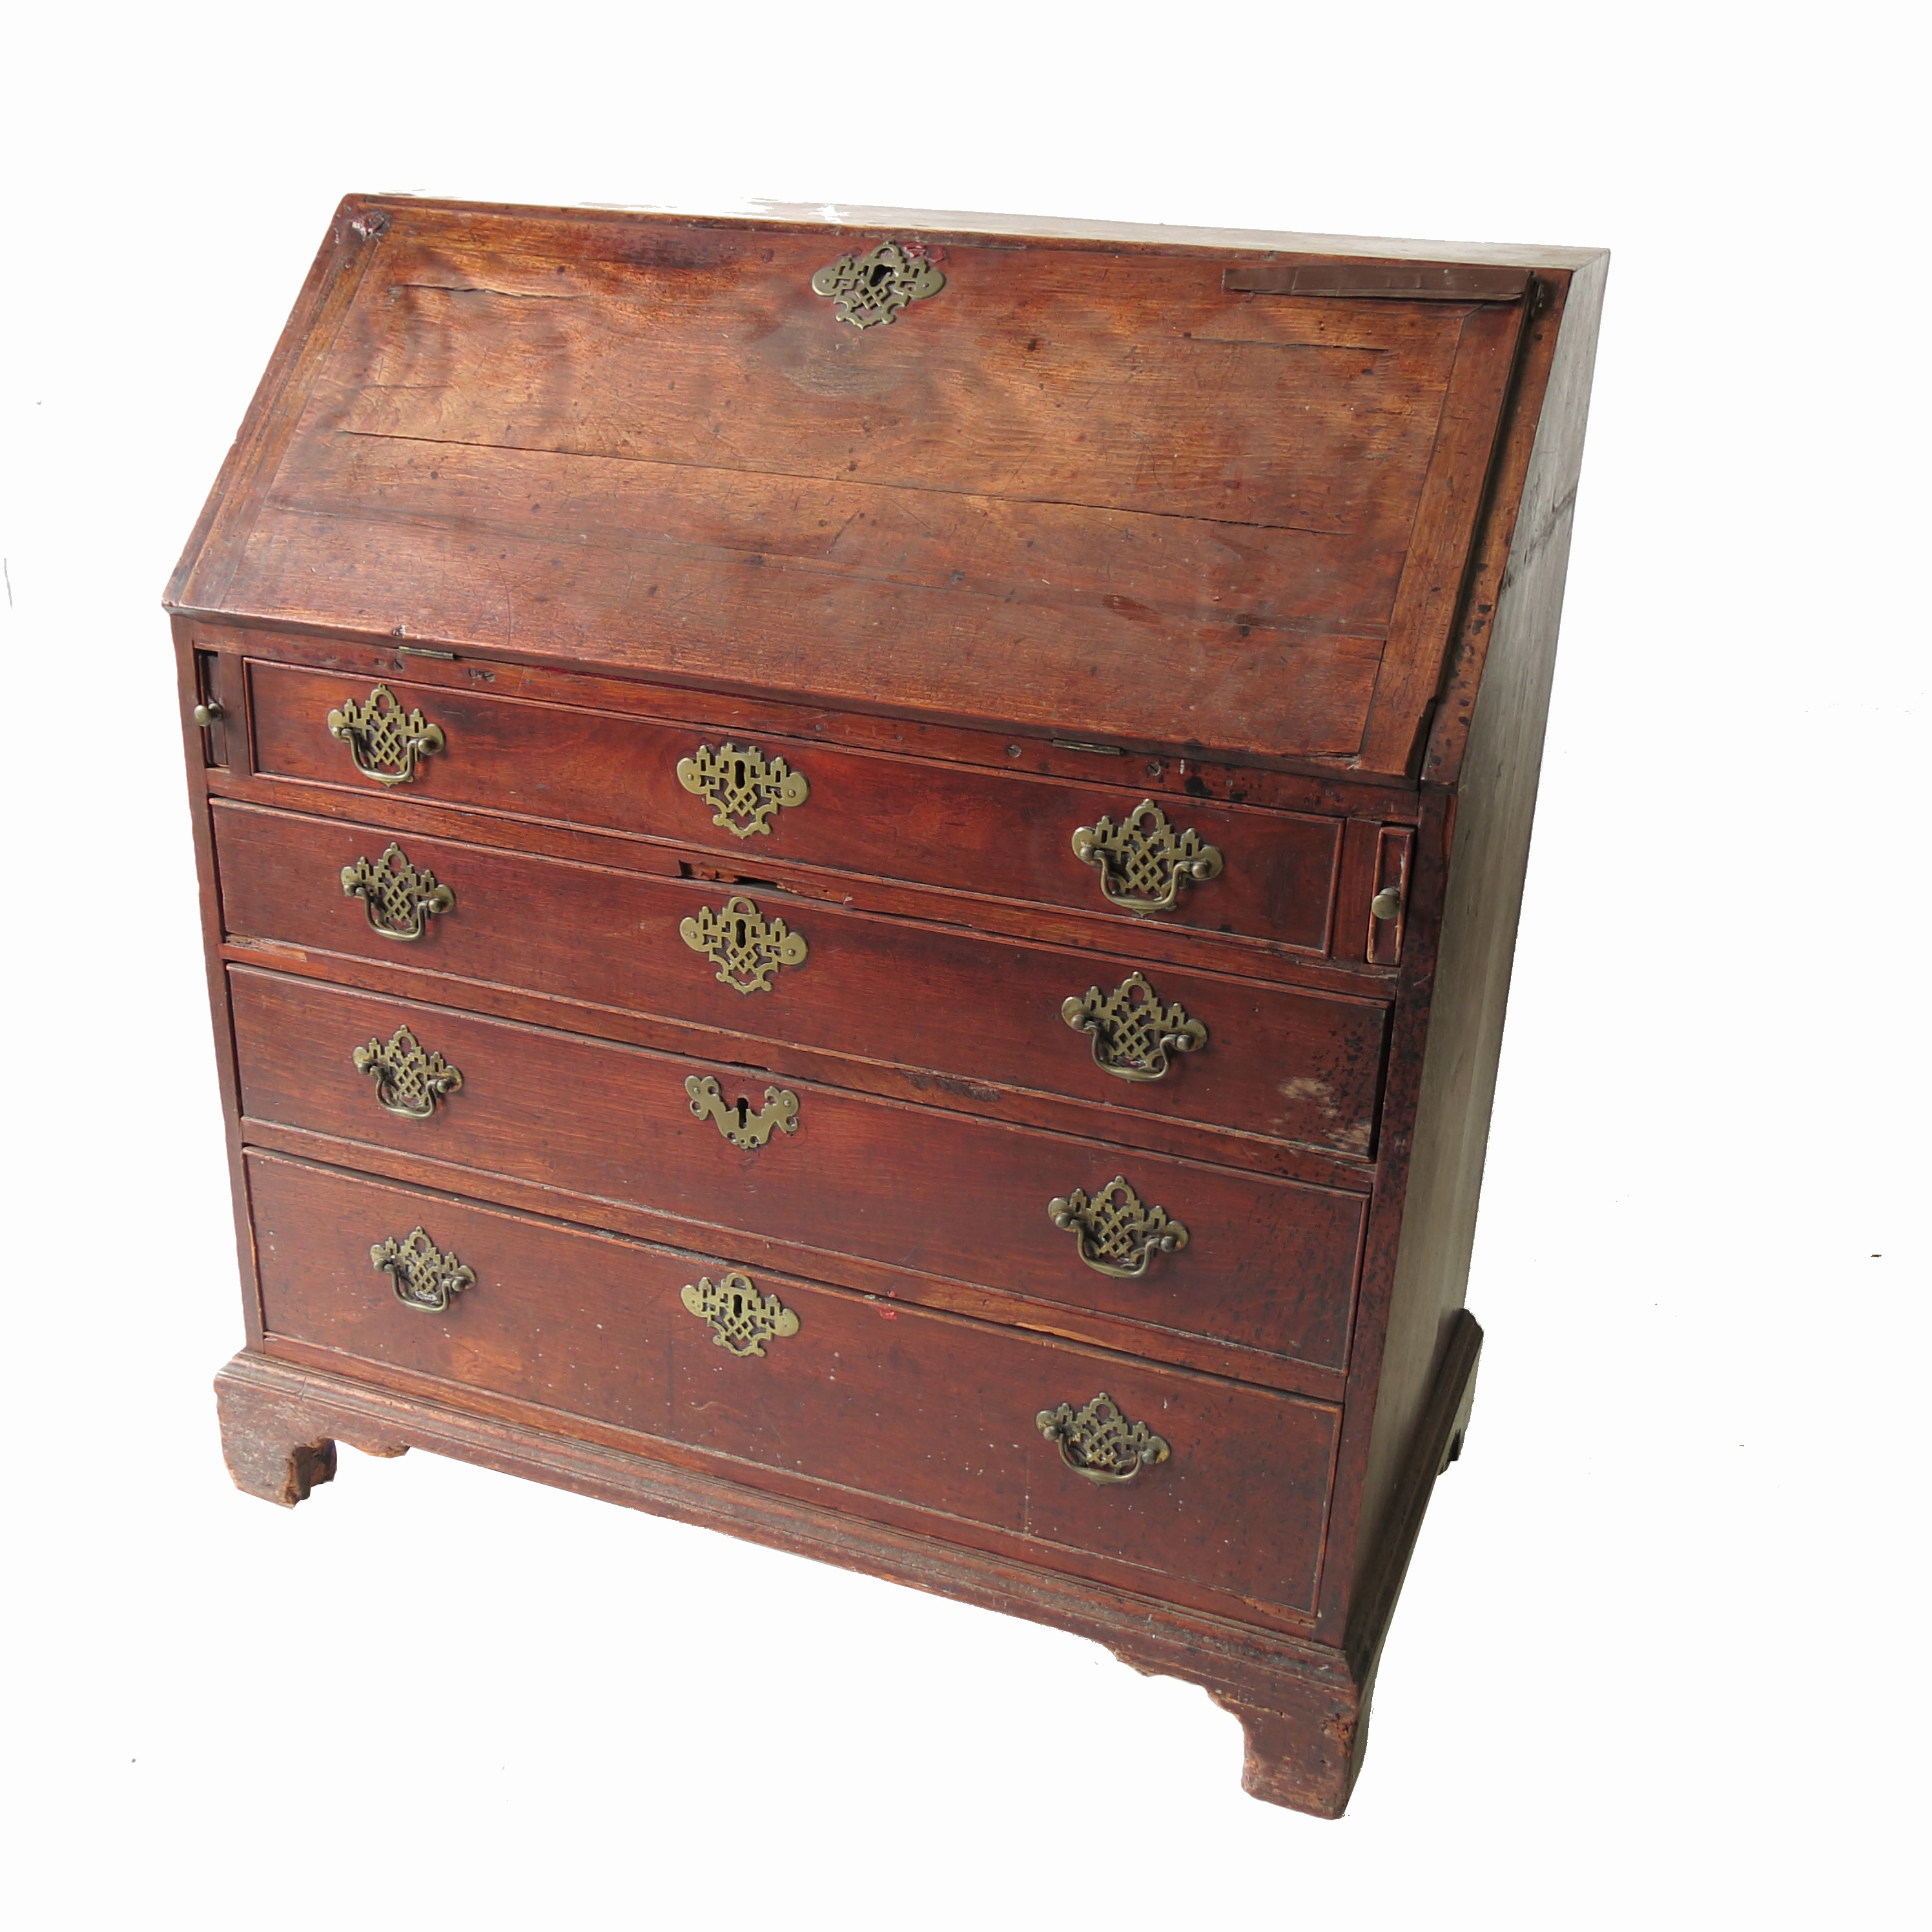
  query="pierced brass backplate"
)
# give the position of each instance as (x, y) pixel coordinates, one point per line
(1117, 1233)
(746, 948)
(742, 788)
(870, 289)
(1097, 1441)
(385, 741)
(737, 1122)
(400, 899)
(408, 1081)
(1132, 1032)
(1143, 862)
(743, 1319)
(425, 1277)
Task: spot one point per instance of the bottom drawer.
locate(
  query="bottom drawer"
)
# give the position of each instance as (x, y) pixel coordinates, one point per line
(1228, 1494)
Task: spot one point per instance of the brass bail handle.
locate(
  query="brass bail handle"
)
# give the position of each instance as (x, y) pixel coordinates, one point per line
(1097, 1441)
(1144, 863)
(386, 742)
(398, 898)
(1115, 1231)
(1133, 1031)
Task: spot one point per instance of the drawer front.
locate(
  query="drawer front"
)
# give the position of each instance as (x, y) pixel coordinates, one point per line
(922, 1409)
(1276, 1061)
(1268, 1265)
(932, 824)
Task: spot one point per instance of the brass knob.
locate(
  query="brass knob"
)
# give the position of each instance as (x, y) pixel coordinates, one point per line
(1386, 903)
(208, 714)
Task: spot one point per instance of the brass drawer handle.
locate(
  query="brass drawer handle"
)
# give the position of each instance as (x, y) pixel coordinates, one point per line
(746, 948)
(1143, 862)
(1386, 903)
(1097, 1441)
(1132, 1032)
(424, 1275)
(385, 741)
(408, 1081)
(743, 1320)
(737, 1122)
(870, 289)
(742, 788)
(400, 899)
(208, 714)
(1117, 1232)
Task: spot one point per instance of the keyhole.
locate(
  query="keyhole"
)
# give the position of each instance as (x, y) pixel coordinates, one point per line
(738, 773)
(744, 1114)
(739, 928)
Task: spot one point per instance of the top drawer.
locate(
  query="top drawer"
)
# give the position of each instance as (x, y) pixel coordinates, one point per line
(1262, 874)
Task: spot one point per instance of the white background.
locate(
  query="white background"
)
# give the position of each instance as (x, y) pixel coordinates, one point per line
(1658, 1659)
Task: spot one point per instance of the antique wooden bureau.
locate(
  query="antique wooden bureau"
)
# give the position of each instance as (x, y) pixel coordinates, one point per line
(859, 880)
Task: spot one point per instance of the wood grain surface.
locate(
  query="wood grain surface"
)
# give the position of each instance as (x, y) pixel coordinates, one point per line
(1271, 529)
(925, 1409)
(1269, 1266)
(971, 833)
(1085, 490)
(1290, 1065)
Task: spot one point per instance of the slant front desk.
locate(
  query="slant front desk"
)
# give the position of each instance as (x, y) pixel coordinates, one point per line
(859, 880)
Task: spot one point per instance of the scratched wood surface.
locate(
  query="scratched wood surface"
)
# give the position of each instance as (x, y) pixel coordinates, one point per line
(1287, 1064)
(1087, 525)
(971, 833)
(1270, 1265)
(922, 1408)
(648, 443)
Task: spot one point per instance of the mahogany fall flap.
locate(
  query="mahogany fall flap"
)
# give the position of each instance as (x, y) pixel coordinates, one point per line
(859, 882)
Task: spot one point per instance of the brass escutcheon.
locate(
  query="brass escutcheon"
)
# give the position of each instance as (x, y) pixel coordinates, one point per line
(408, 1081)
(746, 948)
(1097, 1441)
(1132, 1032)
(737, 1122)
(1117, 1232)
(871, 289)
(400, 899)
(1143, 862)
(424, 1275)
(385, 741)
(742, 788)
(743, 1320)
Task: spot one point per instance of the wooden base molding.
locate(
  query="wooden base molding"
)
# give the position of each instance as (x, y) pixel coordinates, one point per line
(1302, 1706)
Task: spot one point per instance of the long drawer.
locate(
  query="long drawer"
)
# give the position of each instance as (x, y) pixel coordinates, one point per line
(1226, 1487)
(783, 800)
(1267, 1265)
(1272, 1060)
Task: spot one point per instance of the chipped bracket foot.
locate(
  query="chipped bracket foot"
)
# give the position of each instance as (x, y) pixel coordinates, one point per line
(1305, 1735)
(272, 1449)
(1305, 1757)
(1303, 1705)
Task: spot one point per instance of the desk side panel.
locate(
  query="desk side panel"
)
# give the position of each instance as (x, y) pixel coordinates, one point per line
(1481, 833)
